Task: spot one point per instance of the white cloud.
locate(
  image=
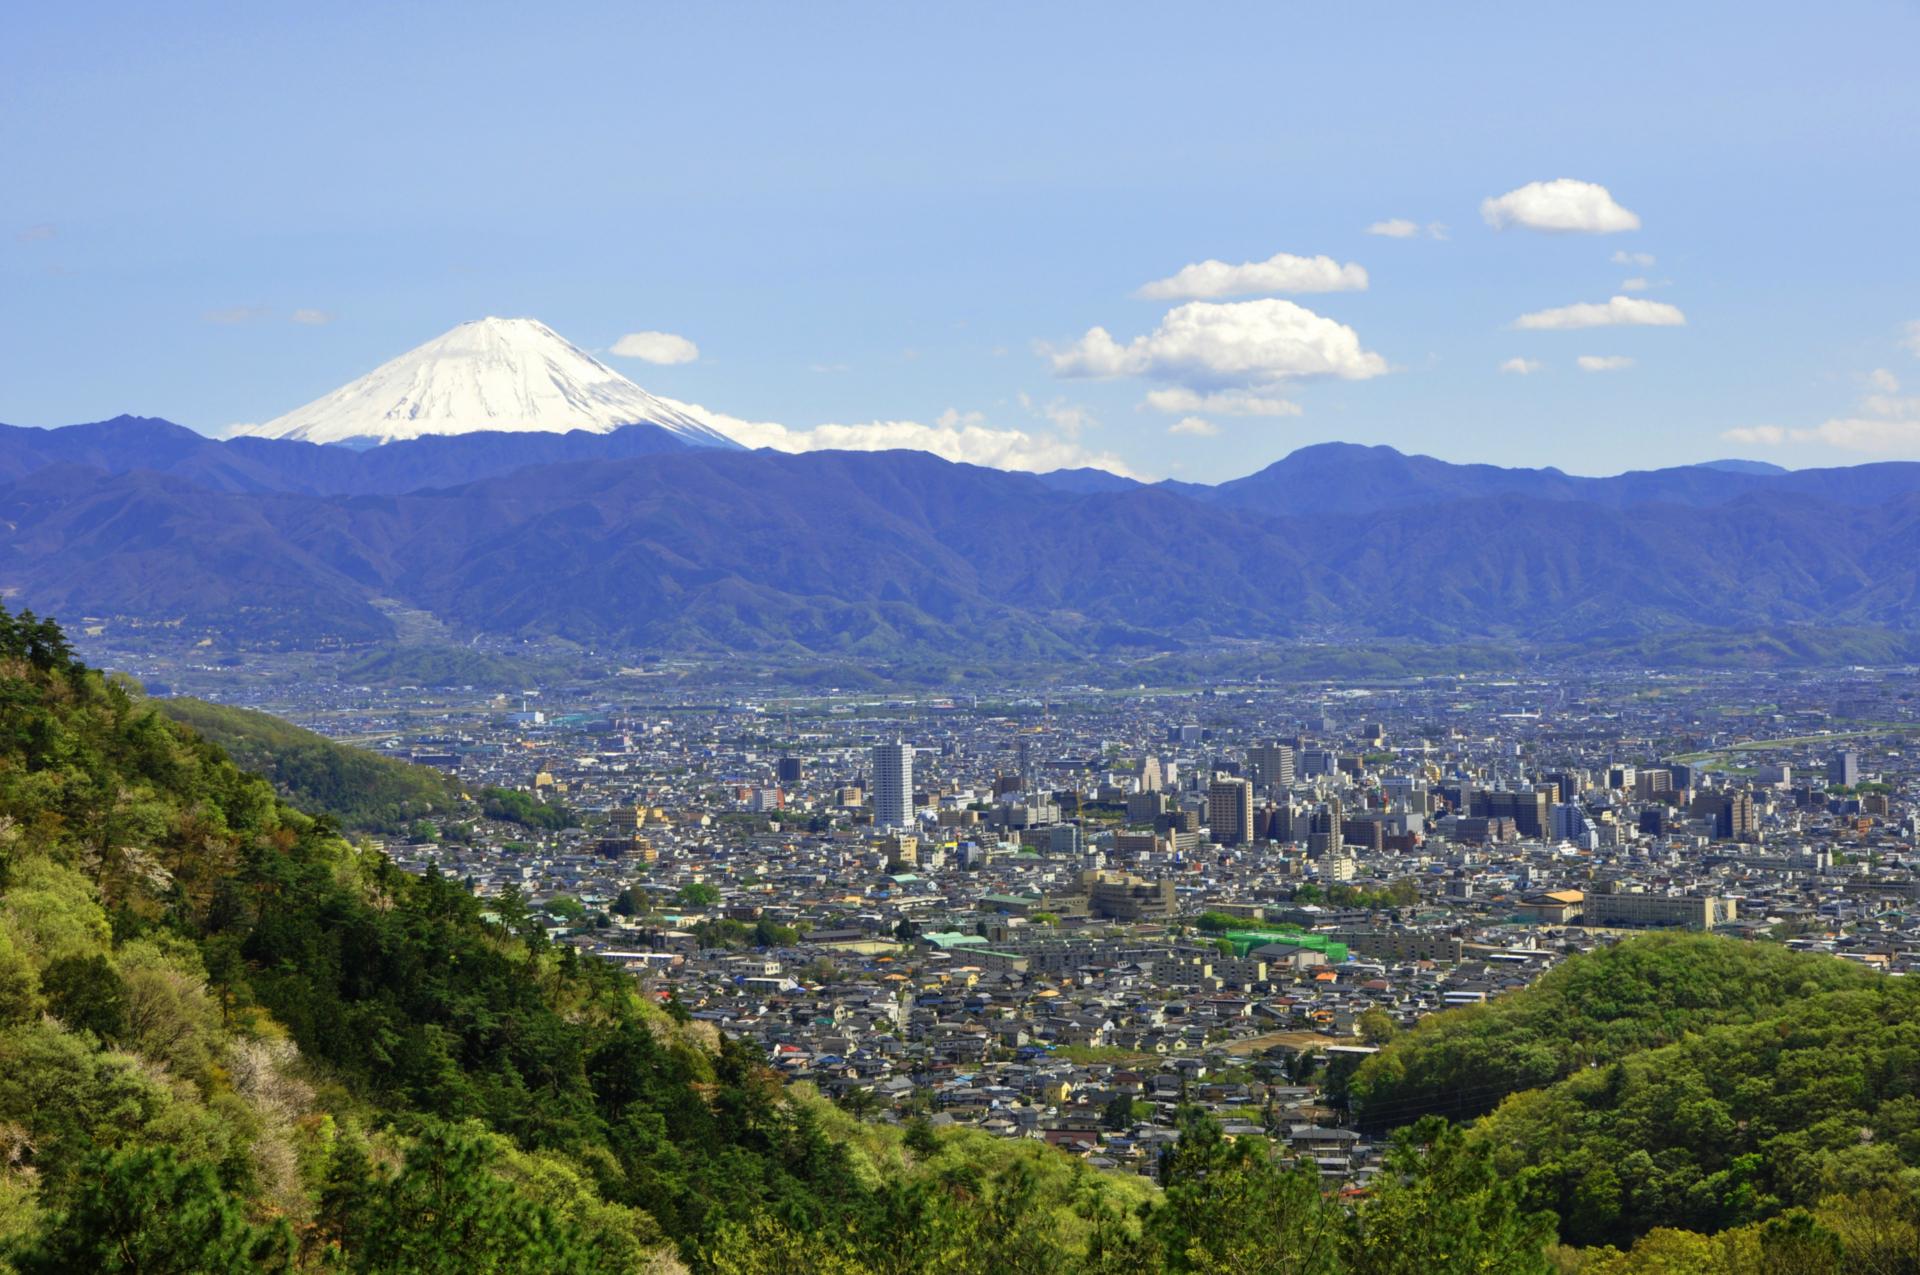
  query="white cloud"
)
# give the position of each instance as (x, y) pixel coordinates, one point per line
(1910, 338)
(1521, 367)
(1178, 399)
(1282, 272)
(1883, 381)
(1615, 312)
(312, 318)
(656, 347)
(37, 234)
(1197, 426)
(1883, 424)
(1401, 228)
(1604, 362)
(1395, 228)
(1218, 346)
(1635, 284)
(1562, 205)
(966, 437)
(1624, 258)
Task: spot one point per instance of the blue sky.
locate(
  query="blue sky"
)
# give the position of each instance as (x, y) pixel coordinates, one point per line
(903, 221)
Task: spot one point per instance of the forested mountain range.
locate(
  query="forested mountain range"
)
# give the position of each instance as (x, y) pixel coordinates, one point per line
(634, 540)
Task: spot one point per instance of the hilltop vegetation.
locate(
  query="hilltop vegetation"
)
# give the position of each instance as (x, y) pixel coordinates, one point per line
(1729, 1125)
(361, 789)
(1589, 1011)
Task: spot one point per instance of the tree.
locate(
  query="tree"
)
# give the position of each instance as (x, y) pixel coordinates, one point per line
(145, 1211)
(1230, 1206)
(1441, 1206)
(699, 894)
(448, 1213)
(86, 993)
(1377, 1026)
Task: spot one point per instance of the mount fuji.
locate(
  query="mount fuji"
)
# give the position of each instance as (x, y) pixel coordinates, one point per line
(490, 375)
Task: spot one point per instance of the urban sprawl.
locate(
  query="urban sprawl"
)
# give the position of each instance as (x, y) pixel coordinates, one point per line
(1061, 915)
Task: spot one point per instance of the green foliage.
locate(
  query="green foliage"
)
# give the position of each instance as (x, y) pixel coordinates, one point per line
(448, 1212)
(1591, 1010)
(145, 1211)
(698, 894)
(1729, 1125)
(361, 789)
(511, 805)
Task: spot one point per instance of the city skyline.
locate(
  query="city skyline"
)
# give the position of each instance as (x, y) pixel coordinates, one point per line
(1597, 244)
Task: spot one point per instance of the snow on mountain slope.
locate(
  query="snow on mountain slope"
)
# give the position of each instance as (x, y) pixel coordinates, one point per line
(491, 374)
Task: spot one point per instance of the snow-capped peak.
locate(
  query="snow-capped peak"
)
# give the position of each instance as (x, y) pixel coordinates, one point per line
(492, 374)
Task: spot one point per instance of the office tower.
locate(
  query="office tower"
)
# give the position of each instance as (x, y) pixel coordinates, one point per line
(1270, 767)
(1529, 811)
(893, 785)
(1151, 777)
(1230, 811)
(1324, 836)
(789, 770)
(1843, 770)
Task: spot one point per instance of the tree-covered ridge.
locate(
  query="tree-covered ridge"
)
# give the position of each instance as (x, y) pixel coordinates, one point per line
(1590, 1010)
(1730, 1125)
(361, 789)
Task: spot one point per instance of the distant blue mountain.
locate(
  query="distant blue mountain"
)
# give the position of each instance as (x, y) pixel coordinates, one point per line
(633, 539)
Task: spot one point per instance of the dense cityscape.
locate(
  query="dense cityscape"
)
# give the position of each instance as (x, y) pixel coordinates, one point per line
(1064, 915)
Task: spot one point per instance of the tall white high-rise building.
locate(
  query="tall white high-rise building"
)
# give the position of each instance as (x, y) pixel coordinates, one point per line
(893, 785)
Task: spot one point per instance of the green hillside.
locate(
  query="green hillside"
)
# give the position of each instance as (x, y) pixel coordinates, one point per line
(1593, 1009)
(362, 790)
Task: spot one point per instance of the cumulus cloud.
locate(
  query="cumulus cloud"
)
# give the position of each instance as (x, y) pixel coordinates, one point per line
(1521, 367)
(1882, 424)
(1635, 284)
(1240, 344)
(656, 347)
(1179, 400)
(312, 318)
(1604, 362)
(238, 314)
(1282, 272)
(966, 437)
(1402, 228)
(1615, 312)
(1883, 381)
(1560, 206)
(1196, 426)
(1910, 338)
(1624, 258)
